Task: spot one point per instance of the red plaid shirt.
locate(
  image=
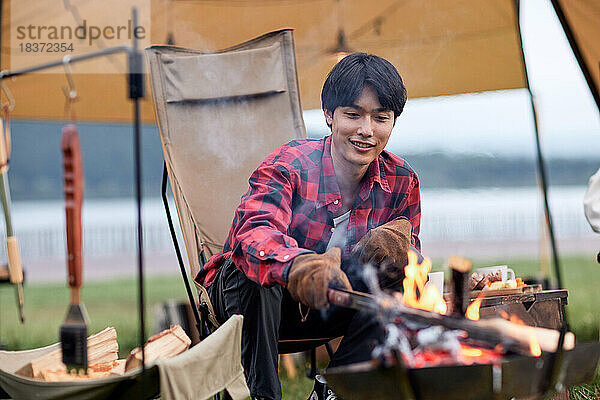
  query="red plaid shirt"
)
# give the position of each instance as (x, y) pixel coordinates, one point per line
(289, 207)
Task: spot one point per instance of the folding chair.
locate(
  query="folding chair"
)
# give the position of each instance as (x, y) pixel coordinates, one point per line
(219, 115)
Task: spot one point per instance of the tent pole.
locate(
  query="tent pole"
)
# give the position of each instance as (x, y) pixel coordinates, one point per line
(136, 91)
(576, 51)
(540, 157)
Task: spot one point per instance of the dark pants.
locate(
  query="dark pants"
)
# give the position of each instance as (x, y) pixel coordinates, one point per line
(270, 314)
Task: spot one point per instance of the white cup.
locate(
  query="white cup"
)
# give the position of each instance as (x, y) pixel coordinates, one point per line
(505, 272)
(436, 279)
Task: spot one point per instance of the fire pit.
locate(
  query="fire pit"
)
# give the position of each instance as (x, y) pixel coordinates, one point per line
(514, 376)
(430, 355)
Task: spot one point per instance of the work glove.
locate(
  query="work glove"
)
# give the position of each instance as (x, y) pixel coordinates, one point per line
(386, 248)
(311, 275)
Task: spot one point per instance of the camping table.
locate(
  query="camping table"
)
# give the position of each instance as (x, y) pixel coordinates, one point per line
(543, 309)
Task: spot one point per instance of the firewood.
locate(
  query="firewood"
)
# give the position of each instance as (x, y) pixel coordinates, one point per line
(512, 337)
(166, 344)
(102, 348)
(460, 282)
(95, 371)
(493, 331)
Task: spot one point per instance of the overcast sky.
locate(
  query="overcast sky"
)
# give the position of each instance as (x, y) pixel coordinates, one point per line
(501, 122)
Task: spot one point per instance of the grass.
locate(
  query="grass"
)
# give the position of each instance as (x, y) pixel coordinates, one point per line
(114, 303)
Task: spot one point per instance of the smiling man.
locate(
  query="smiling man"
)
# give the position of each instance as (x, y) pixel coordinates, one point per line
(314, 211)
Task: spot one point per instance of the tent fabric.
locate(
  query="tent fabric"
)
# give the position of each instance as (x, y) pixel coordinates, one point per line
(439, 47)
(206, 369)
(218, 124)
(582, 17)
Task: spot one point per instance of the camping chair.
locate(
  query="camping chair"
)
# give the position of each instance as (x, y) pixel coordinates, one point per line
(219, 115)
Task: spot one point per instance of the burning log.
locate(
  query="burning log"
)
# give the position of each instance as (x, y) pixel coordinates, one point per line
(460, 282)
(496, 331)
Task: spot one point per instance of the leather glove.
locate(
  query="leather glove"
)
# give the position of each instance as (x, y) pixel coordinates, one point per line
(386, 248)
(312, 274)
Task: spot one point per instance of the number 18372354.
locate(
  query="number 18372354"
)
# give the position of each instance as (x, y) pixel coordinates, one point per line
(46, 47)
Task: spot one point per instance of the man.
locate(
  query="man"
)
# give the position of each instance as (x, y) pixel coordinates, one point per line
(313, 206)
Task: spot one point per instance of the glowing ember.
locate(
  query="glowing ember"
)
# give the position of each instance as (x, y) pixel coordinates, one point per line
(473, 310)
(416, 295)
(467, 355)
(471, 352)
(475, 355)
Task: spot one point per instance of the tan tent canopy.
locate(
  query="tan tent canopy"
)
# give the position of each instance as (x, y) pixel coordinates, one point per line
(440, 47)
(580, 20)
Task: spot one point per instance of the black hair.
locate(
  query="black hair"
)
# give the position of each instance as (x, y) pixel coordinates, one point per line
(348, 77)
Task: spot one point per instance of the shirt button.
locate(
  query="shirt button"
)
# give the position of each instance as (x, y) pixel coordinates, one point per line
(336, 201)
(262, 253)
(286, 256)
(332, 229)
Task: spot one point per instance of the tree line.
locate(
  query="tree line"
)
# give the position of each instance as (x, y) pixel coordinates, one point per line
(36, 164)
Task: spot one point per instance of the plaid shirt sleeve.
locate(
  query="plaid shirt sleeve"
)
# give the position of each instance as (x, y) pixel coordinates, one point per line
(261, 247)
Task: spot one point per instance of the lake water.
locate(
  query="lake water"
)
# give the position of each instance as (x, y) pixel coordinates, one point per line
(472, 216)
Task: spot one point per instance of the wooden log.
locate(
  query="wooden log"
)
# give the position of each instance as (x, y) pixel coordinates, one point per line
(166, 344)
(460, 267)
(493, 331)
(95, 371)
(102, 348)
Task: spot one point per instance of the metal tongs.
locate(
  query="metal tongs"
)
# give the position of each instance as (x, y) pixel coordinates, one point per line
(351, 299)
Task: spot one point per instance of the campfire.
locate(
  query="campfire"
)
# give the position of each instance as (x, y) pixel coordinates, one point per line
(429, 339)
(436, 345)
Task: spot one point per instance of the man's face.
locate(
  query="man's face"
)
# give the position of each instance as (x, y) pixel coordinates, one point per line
(361, 131)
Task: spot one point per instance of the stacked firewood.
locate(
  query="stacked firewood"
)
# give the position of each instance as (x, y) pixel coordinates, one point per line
(103, 352)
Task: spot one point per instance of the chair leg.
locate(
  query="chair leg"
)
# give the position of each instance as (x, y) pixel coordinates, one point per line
(313, 371)
(178, 252)
(329, 350)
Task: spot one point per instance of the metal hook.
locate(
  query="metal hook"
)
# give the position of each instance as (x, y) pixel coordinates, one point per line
(71, 92)
(7, 93)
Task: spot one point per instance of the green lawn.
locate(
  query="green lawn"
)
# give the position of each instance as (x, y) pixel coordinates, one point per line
(114, 303)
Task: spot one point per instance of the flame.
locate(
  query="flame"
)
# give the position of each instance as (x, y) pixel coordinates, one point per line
(416, 295)
(473, 310)
(534, 346)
